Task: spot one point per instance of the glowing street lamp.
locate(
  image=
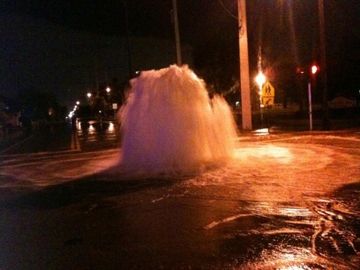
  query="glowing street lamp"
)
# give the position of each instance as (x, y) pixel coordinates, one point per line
(313, 70)
(108, 90)
(88, 94)
(77, 102)
(260, 79)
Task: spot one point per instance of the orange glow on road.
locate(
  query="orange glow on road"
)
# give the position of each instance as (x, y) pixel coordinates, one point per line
(276, 153)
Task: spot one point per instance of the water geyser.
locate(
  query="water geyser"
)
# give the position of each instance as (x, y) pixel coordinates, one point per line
(170, 125)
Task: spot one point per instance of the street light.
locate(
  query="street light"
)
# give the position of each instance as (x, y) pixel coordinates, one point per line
(89, 95)
(108, 89)
(313, 70)
(260, 79)
(77, 102)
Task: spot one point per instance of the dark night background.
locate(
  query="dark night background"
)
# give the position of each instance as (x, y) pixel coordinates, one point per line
(51, 45)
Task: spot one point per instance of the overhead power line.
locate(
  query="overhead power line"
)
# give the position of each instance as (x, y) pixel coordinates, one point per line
(228, 11)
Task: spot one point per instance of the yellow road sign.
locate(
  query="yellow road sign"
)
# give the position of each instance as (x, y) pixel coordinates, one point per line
(267, 94)
(267, 101)
(268, 90)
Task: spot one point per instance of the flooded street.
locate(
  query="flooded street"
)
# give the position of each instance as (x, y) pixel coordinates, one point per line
(94, 135)
(287, 201)
(210, 135)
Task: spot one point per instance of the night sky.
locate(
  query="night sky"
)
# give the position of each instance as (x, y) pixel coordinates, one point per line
(286, 30)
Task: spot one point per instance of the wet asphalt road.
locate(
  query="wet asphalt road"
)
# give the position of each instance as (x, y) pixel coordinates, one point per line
(290, 201)
(86, 135)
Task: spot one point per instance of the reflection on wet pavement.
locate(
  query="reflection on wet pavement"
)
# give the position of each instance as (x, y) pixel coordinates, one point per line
(95, 135)
(324, 234)
(279, 205)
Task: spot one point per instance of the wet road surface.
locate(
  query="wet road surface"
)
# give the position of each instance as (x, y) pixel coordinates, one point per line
(288, 201)
(94, 135)
(85, 136)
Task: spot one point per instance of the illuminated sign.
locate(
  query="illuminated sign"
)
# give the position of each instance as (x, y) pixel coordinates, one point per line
(267, 94)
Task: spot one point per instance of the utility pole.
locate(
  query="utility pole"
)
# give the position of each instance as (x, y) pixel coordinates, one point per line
(325, 109)
(177, 33)
(244, 67)
(128, 39)
(310, 106)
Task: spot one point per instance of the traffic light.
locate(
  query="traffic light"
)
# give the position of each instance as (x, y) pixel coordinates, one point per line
(314, 69)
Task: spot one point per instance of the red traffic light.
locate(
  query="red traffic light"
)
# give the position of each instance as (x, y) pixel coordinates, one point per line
(314, 69)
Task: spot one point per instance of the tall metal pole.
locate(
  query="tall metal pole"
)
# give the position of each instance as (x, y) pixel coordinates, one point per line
(177, 33)
(244, 67)
(310, 107)
(260, 88)
(128, 39)
(325, 109)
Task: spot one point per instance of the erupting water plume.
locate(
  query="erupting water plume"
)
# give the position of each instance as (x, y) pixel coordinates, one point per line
(169, 123)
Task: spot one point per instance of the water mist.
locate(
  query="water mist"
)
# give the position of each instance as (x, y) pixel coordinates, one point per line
(170, 125)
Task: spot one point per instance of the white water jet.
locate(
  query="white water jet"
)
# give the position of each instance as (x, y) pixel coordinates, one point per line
(170, 125)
